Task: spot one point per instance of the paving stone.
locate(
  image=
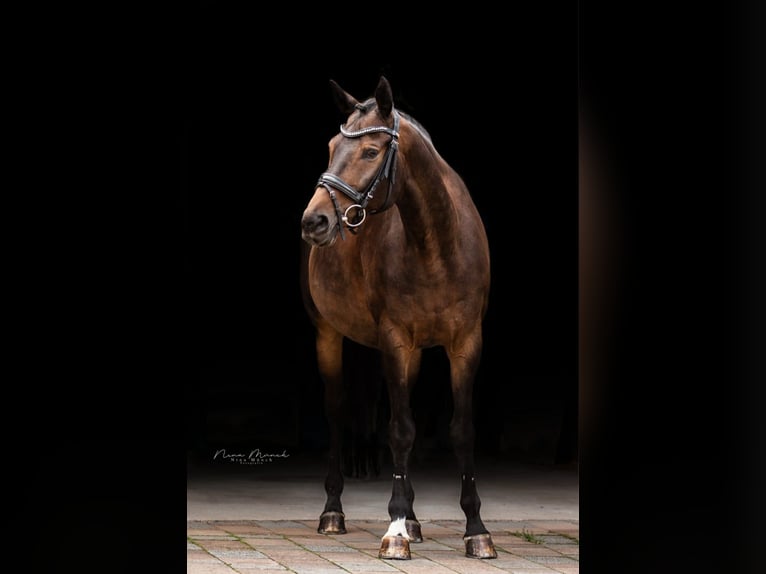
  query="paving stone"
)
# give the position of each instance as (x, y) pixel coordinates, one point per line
(211, 545)
(229, 555)
(331, 569)
(370, 545)
(452, 542)
(280, 524)
(258, 570)
(507, 561)
(325, 549)
(270, 542)
(293, 546)
(371, 565)
(284, 556)
(422, 567)
(432, 545)
(358, 535)
(200, 556)
(553, 525)
(233, 522)
(259, 565)
(270, 536)
(465, 565)
(554, 539)
(199, 524)
(245, 529)
(507, 525)
(533, 550)
(204, 532)
(509, 539)
(573, 550)
(204, 568)
(553, 560)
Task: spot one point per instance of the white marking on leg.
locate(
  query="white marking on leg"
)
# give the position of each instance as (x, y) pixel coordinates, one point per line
(398, 528)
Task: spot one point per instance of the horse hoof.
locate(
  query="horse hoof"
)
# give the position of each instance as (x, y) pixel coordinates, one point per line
(394, 548)
(413, 530)
(479, 546)
(332, 522)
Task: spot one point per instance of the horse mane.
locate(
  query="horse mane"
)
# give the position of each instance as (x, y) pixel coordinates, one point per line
(417, 125)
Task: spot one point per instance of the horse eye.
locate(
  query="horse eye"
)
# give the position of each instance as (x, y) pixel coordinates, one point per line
(370, 153)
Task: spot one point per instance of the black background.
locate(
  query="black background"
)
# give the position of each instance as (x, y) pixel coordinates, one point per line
(255, 141)
(159, 229)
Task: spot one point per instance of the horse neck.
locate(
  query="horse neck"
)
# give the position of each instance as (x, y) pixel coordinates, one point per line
(426, 205)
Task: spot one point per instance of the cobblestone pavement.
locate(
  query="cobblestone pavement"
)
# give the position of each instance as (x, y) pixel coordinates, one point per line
(271, 546)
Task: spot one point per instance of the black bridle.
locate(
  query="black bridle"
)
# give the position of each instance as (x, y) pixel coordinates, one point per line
(387, 170)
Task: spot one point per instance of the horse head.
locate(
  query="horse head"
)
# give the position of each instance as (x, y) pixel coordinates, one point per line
(360, 176)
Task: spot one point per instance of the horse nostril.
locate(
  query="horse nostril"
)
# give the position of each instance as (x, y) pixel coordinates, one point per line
(314, 222)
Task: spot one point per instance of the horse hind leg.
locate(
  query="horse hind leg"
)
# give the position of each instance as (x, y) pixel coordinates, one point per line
(478, 540)
(363, 382)
(401, 371)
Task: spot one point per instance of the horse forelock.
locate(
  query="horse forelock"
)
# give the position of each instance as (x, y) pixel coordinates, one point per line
(362, 111)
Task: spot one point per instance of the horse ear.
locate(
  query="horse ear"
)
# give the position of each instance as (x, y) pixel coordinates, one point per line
(343, 100)
(384, 97)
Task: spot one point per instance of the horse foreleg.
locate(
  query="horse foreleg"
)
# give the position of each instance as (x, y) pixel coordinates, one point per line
(464, 361)
(329, 347)
(401, 370)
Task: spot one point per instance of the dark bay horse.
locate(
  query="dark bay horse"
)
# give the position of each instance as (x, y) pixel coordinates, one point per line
(398, 262)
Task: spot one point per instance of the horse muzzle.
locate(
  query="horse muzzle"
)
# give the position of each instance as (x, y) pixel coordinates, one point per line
(319, 229)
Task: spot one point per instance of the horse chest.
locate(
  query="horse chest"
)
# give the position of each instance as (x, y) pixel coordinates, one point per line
(361, 307)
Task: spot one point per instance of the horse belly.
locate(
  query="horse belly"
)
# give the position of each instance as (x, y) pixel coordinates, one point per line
(414, 328)
(431, 326)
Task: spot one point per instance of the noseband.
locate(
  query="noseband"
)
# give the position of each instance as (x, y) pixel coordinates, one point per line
(387, 170)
